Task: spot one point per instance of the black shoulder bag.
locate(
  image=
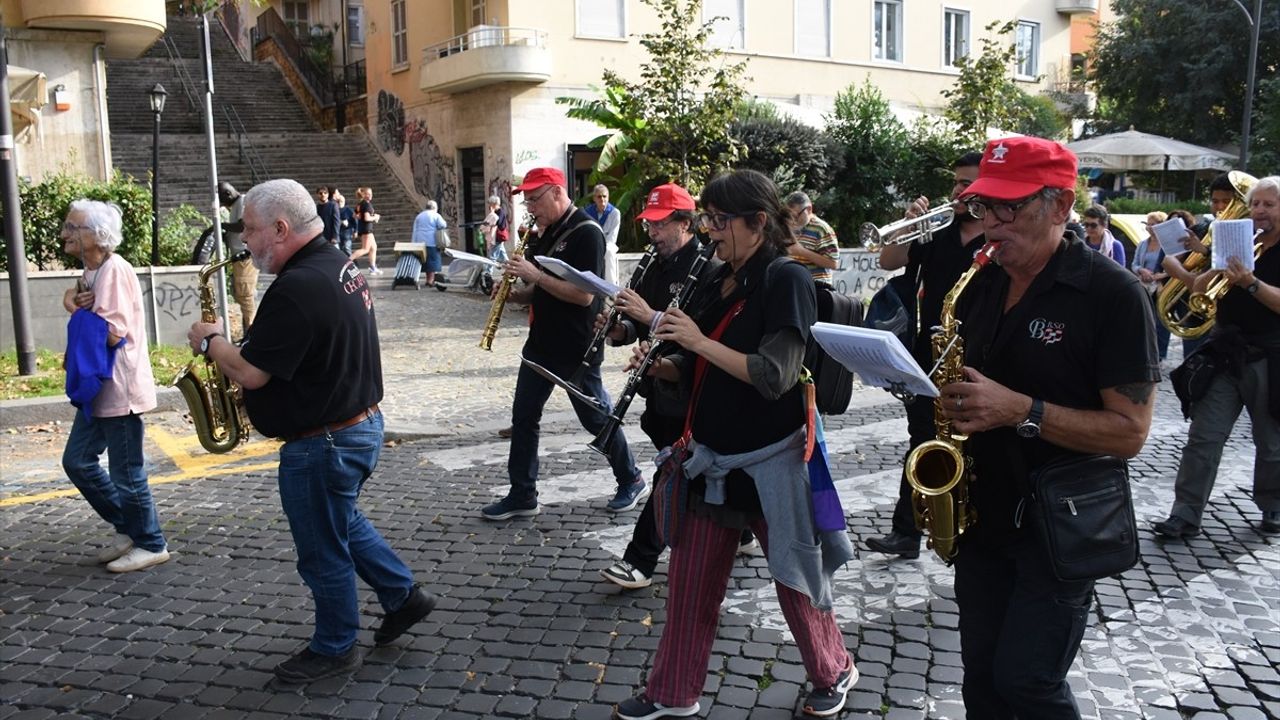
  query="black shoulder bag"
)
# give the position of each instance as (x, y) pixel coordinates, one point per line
(1084, 513)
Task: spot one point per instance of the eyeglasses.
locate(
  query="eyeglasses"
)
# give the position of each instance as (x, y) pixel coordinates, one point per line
(1092, 225)
(718, 221)
(74, 228)
(651, 225)
(530, 200)
(1004, 211)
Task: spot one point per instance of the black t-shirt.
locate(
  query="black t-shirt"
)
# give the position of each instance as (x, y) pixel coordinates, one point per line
(561, 331)
(1240, 309)
(316, 334)
(666, 276)
(364, 227)
(1084, 325)
(328, 212)
(938, 264)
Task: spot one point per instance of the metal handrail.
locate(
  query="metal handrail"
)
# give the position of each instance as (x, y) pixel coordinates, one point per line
(180, 69)
(271, 25)
(485, 36)
(248, 154)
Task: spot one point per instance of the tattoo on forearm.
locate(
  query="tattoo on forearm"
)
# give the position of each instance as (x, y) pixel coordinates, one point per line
(1138, 393)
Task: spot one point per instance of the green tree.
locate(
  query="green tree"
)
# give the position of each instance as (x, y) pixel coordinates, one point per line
(800, 156)
(874, 146)
(1178, 67)
(1265, 150)
(985, 95)
(675, 120)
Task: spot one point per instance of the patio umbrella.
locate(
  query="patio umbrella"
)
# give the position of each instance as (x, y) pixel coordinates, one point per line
(1133, 150)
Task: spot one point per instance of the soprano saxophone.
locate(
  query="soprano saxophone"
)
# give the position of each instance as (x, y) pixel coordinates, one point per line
(215, 401)
(938, 470)
(500, 297)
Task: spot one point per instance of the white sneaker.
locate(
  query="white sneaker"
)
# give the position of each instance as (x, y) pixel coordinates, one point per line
(624, 574)
(120, 544)
(137, 559)
(374, 270)
(751, 548)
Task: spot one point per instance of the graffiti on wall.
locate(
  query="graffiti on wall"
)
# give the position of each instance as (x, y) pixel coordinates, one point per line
(500, 186)
(434, 174)
(390, 123)
(177, 302)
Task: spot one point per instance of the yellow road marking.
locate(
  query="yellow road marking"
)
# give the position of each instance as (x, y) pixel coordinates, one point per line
(181, 450)
(197, 473)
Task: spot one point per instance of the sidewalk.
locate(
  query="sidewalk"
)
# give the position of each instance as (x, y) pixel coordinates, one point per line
(526, 628)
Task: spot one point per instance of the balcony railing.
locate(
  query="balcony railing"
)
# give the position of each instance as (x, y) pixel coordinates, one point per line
(484, 55)
(1077, 7)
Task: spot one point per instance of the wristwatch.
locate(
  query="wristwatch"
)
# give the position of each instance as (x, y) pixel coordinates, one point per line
(204, 344)
(1030, 428)
(1252, 288)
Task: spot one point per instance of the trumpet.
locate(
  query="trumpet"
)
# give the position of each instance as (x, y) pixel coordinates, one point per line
(908, 230)
(637, 275)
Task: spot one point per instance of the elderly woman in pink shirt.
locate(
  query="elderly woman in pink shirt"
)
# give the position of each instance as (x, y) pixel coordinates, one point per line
(112, 421)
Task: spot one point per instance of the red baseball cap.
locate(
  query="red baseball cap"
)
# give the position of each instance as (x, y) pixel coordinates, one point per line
(664, 200)
(538, 177)
(1016, 167)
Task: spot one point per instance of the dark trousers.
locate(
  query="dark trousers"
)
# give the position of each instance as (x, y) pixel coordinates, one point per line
(1020, 629)
(921, 429)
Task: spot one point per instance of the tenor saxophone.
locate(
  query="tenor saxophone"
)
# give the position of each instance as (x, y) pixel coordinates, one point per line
(938, 470)
(215, 401)
(500, 297)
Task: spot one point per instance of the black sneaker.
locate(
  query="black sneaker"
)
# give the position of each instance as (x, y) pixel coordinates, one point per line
(628, 496)
(395, 623)
(1271, 522)
(896, 543)
(509, 507)
(307, 666)
(641, 707)
(1175, 527)
(827, 701)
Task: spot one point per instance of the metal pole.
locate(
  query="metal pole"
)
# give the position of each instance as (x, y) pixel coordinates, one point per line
(1256, 19)
(155, 190)
(221, 284)
(24, 343)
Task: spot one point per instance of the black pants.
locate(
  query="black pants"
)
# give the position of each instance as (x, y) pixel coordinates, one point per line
(921, 429)
(1020, 629)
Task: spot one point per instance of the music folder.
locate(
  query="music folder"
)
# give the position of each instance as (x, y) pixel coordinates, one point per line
(877, 356)
(584, 280)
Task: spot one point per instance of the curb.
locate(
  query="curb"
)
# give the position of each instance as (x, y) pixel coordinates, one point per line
(33, 411)
(403, 431)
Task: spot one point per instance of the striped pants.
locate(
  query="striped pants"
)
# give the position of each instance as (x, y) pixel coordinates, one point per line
(698, 576)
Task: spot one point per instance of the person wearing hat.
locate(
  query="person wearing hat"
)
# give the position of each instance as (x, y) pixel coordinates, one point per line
(560, 332)
(1060, 361)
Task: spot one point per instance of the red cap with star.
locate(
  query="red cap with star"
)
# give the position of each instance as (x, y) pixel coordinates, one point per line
(1016, 167)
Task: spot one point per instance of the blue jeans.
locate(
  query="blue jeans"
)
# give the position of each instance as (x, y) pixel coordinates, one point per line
(320, 481)
(121, 497)
(532, 392)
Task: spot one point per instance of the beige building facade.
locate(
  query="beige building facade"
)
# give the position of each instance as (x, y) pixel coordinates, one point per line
(462, 92)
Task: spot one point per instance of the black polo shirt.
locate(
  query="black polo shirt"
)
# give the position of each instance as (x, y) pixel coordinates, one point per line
(561, 331)
(315, 333)
(937, 265)
(1240, 309)
(1084, 325)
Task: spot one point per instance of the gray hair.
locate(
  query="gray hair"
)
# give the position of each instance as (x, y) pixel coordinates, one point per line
(431, 205)
(493, 200)
(103, 219)
(1270, 182)
(798, 199)
(598, 188)
(283, 199)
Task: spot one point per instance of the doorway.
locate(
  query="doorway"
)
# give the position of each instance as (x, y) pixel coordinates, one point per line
(471, 161)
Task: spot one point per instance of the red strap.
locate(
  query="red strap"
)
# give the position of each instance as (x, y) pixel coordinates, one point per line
(811, 409)
(700, 369)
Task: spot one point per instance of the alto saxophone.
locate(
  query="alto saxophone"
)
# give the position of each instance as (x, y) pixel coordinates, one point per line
(938, 470)
(500, 297)
(216, 402)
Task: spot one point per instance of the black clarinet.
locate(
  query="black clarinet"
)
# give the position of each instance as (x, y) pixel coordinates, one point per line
(637, 275)
(614, 420)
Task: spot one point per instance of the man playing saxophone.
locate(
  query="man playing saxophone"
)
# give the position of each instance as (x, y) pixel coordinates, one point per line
(312, 375)
(560, 332)
(1060, 360)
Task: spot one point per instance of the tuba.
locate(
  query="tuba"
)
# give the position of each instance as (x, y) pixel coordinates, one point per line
(937, 470)
(1173, 307)
(500, 297)
(215, 401)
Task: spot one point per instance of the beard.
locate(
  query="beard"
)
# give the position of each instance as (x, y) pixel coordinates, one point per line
(263, 262)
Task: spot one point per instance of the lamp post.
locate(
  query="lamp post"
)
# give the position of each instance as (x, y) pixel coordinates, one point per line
(1255, 22)
(157, 96)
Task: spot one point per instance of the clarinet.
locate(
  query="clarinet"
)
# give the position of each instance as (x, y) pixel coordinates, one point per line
(614, 420)
(637, 275)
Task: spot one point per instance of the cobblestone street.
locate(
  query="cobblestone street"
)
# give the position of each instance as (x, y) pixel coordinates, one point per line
(526, 627)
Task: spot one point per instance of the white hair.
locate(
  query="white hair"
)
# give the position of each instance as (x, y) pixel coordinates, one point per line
(431, 205)
(283, 199)
(493, 200)
(103, 219)
(1270, 182)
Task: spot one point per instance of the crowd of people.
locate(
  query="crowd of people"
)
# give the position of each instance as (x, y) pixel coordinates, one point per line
(1058, 362)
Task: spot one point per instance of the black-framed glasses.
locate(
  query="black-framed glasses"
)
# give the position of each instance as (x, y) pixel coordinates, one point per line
(718, 221)
(1004, 211)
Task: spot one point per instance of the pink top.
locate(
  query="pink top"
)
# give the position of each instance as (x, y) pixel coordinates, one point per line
(118, 299)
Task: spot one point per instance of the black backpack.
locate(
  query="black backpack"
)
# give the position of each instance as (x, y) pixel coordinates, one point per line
(832, 381)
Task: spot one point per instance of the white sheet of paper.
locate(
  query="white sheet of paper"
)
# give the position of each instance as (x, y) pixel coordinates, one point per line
(460, 256)
(1232, 238)
(1172, 234)
(877, 356)
(584, 280)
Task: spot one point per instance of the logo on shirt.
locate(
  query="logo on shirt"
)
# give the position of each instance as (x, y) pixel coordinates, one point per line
(1046, 332)
(353, 282)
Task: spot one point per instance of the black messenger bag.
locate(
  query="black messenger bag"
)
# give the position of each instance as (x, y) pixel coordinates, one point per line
(1084, 513)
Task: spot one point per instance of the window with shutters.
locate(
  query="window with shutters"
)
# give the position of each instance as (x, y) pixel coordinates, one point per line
(399, 35)
(602, 18)
(813, 28)
(729, 27)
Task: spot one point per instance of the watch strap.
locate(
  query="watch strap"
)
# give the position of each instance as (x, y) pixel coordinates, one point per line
(207, 342)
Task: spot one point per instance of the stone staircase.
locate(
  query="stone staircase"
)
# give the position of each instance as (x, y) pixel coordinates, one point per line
(277, 125)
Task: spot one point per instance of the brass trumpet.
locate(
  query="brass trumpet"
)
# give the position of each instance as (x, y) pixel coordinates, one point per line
(907, 230)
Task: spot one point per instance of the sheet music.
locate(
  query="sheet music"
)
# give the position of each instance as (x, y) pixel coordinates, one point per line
(877, 356)
(1172, 234)
(1232, 238)
(582, 279)
(470, 257)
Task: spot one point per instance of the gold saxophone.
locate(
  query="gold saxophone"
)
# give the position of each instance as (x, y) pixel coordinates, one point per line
(215, 401)
(938, 470)
(500, 297)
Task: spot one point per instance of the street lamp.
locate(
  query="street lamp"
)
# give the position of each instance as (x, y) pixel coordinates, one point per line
(1255, 21)
(157, 96)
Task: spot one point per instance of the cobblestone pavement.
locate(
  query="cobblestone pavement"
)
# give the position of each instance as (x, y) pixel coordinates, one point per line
(526, 627)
